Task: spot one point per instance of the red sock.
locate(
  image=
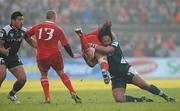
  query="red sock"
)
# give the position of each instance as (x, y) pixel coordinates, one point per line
(104, 66)
(84, 44)
(45, 85)
(66, 81)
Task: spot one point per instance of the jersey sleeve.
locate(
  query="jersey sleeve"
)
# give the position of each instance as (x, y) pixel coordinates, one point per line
(30, 31)
(62, 38)
(2, 34)
(115, 44)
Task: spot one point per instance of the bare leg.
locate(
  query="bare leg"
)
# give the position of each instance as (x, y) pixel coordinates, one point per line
(138, 81)
(118, 94)
(19, 73)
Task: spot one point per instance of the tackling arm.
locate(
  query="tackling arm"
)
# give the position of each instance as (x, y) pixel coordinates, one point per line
(105, 50)
(31, 41)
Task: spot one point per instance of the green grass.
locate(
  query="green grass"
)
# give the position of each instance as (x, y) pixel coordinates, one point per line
(94, 98)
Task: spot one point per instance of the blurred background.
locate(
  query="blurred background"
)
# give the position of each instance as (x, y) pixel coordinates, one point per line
(153, 26)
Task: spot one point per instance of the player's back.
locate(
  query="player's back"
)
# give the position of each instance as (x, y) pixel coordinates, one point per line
(47, 37)
(92, 37)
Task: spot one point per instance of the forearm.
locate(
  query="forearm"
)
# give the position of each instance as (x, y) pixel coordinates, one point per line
(104, 50)
(31, 42)
(68, 50)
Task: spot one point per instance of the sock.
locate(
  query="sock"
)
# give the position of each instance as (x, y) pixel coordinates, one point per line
(133, 99)
(66, 81)
(84, 44)
(154, 90)
(104, 66)
(16, 87)
(45, 86)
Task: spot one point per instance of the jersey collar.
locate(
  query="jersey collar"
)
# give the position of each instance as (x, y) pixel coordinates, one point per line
(49, 21)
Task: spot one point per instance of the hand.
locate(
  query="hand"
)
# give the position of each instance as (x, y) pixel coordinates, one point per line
(76, 55)
(106, 77)
(79, 32)
(93, 45)
(6, 51)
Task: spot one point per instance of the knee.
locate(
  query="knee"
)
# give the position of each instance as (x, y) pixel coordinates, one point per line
(22, 80)
(119, 99)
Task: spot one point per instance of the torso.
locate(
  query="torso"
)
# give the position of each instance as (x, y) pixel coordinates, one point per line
(13, 39)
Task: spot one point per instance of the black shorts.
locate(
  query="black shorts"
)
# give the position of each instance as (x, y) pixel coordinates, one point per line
(122, 81)
(11, 62)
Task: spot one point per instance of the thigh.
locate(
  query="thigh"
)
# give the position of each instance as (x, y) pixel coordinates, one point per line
(138, 81)
(18, 72)
(57, 62)
(44, 65)
(89, 62)
(89, 54)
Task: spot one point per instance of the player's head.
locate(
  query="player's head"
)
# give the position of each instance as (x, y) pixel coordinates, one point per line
(105, 31)
(17, 19)
(51, 15)
(106, 40)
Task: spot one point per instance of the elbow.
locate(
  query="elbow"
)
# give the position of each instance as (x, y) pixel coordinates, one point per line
(107, 51)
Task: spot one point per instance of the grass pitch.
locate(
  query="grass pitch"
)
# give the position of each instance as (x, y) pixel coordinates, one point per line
(95, 96)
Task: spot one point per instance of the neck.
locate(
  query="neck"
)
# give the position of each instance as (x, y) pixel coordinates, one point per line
(51, 20)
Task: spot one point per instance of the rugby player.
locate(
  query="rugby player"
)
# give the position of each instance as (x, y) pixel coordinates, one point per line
(122, 73)
(11, 37)
(48, 34)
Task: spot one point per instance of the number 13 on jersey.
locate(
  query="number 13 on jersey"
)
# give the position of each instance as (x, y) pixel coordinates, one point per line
(46, 31)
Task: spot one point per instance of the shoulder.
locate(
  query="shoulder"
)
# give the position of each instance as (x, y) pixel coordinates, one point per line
(31, 28)
(24, 29)
(6, 29)
(115, 43)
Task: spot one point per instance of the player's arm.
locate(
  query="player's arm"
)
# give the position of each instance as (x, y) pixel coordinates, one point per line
(105, 50)
(31, 41)
(66, 46)
(28, 37)
(108, 49)
(2, 49)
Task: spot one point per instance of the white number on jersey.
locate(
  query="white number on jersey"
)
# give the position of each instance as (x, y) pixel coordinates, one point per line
(48, 31)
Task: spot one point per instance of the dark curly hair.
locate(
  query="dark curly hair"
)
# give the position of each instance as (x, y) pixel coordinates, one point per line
(105, 30)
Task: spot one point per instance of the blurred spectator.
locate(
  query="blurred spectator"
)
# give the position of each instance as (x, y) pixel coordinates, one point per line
(88, 12)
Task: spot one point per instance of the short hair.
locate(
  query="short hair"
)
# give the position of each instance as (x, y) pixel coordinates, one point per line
(50, 14)
(16, 14)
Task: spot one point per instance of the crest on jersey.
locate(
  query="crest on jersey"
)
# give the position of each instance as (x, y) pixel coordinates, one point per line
(11, 34)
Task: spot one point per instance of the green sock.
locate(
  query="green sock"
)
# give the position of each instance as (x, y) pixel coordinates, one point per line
(133, 99)
(154, 90)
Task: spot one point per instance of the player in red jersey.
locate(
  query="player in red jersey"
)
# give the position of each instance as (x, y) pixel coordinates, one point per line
(89, 41)
(48, 34)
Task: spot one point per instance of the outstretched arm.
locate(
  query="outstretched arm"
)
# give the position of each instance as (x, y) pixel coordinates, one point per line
(31, 42)
(105, 50)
